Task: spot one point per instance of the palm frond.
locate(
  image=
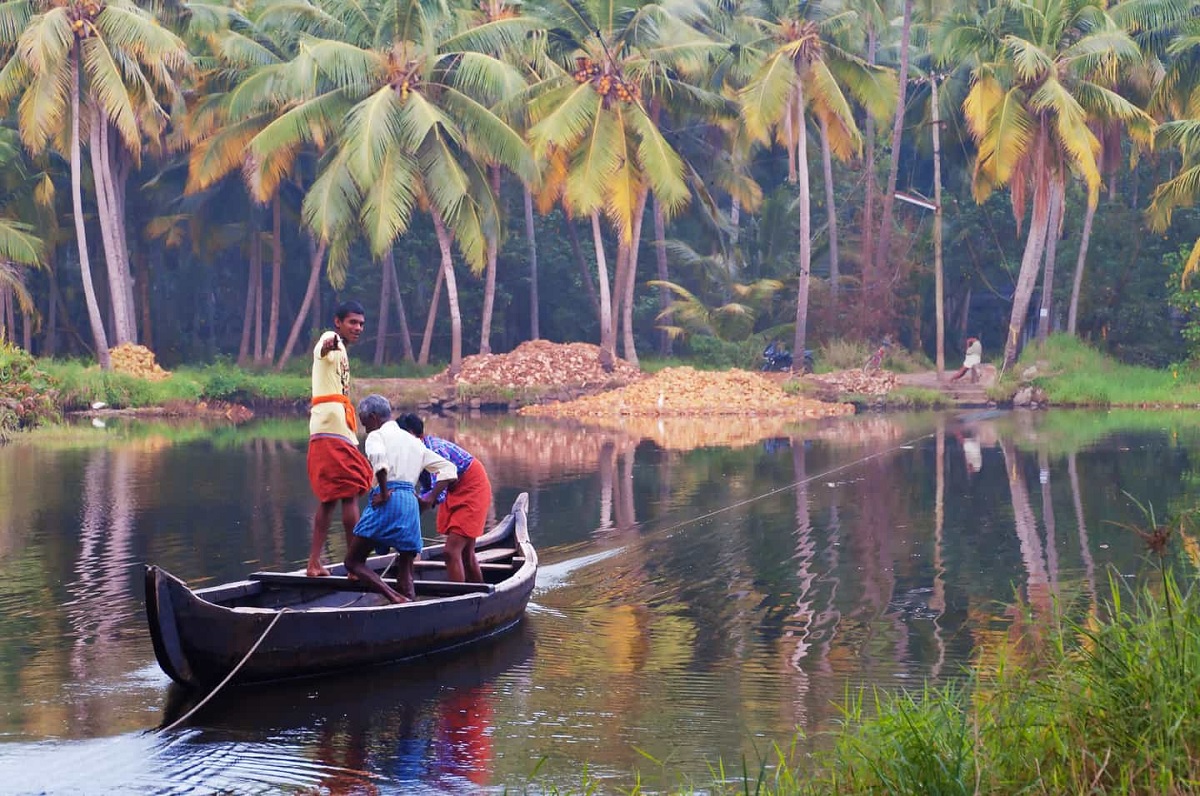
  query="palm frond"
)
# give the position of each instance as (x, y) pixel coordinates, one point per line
(330, 206)
(766, 97)
(388, 201)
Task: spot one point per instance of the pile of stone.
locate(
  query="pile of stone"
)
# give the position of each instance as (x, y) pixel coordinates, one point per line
(856, 381)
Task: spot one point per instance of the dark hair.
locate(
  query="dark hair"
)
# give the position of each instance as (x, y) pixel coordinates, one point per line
(412, 424)
(349, 308)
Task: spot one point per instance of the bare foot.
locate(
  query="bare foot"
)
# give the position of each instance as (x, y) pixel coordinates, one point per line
(397, 599)
(316, 570)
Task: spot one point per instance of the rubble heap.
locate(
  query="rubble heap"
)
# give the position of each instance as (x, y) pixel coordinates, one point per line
(686, 391)
(136, 360)
(878, 382)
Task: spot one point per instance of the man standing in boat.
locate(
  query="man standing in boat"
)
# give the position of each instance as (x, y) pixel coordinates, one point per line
(337, 470)
(462, 514)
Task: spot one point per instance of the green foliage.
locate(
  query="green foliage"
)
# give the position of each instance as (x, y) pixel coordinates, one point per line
(1076, 374)
(26, 393)
(1184, 296)
(710, 353)
(81, 385)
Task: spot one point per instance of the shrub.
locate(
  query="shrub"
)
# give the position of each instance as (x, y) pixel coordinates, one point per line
(27, 397)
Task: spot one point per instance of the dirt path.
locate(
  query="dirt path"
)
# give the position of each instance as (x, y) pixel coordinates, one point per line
(963, 392)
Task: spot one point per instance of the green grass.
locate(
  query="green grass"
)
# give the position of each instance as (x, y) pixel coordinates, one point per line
(838, 355)
(80, 384)
(1073, 373)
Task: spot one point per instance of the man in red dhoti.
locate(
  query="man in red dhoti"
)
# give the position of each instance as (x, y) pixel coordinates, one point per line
(337, 469)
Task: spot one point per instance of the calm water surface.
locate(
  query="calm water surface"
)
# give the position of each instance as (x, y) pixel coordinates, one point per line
(708, 588)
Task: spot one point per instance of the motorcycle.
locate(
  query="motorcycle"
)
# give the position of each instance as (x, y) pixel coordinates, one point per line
(776, 357)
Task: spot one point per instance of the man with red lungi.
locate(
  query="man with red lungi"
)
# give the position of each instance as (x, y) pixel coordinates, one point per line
(463, 510)
(337, 470)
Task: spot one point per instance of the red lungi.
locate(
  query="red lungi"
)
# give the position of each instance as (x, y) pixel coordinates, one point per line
(465, 509)
(337, 470)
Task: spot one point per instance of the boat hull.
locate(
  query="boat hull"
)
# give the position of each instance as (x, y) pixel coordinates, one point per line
(199, 641)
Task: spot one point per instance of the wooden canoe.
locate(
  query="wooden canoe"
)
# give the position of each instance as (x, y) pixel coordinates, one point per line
(332, 623)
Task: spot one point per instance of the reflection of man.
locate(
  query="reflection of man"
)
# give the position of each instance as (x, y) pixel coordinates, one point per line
(337, 470)
(973, 454)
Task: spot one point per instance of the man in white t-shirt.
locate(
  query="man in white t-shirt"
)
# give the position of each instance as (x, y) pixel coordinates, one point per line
(337, 470)
(393, 516)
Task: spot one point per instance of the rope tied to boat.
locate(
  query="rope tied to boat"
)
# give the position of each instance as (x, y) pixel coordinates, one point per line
(253, 648)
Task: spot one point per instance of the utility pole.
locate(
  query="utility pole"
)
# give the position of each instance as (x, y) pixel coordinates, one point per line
(939, 298)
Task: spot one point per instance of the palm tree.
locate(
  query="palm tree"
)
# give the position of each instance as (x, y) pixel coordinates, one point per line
(119, 62)
(1031, 100)
(616, 59)
(798, 76)
(401, 104)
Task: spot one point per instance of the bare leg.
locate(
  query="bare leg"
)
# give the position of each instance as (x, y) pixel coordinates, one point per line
(349, 518)
(470, 563)
(356, 562)
(404, 574)
(455, 545)
(958, 375)
(320, 532)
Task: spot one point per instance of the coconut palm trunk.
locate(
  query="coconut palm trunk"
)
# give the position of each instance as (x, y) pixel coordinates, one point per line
(628, 343)
(276, 279)
(886, 219)
(585, 275)
(867, 257)
(444, 244)
(248, 312)
(531, 237)
(1073, 311)
(385, 300)
(939, 286)
(830, 209)
(489, 283)
(608, 345)
(660, 256)
(431, 317)
(1053, 230)
(106, 206)
(85, 267)
(805, 262)
(1032, 258)
(316, 258)
(389, 262)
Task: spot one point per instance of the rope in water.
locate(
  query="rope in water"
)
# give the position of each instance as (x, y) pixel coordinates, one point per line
(245, 658)
(669, 529)
(794, 484)
(228, 677)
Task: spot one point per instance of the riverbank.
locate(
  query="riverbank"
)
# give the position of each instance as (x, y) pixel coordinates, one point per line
(1063, 372)
(1098, 696)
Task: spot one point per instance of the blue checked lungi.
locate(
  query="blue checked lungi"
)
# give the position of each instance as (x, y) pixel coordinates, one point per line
(396, 523)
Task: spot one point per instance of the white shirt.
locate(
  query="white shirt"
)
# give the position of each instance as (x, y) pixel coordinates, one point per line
(391, 448)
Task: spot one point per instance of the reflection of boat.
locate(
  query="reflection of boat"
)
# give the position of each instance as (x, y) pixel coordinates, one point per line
(358, 697)
(306, 625)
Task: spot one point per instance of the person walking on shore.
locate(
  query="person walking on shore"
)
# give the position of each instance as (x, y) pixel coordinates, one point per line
(337, 470)
(971, 361)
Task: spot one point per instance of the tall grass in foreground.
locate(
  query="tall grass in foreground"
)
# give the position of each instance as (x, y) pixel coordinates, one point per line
(1109, 704)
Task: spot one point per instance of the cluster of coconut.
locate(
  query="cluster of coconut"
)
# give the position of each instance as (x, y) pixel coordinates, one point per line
(136, 360)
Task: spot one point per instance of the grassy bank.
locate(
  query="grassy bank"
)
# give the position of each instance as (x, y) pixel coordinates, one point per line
(1109, 704)
(1072, 373)
(80, 385)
